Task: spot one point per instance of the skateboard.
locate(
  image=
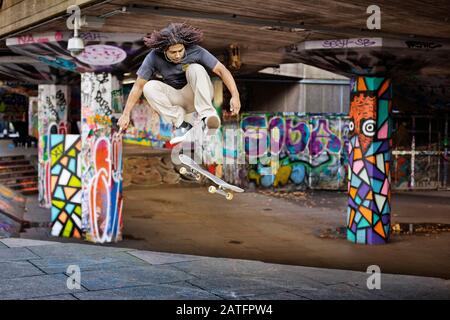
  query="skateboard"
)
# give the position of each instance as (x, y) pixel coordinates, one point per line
(223, 188)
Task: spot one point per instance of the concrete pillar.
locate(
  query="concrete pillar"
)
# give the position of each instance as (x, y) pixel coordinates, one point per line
(101, 157)
(369, 205)
(53, 102)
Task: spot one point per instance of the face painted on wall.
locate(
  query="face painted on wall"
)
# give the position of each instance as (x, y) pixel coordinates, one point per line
(363, 119)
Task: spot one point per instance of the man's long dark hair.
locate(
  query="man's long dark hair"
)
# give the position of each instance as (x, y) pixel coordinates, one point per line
(174, 33)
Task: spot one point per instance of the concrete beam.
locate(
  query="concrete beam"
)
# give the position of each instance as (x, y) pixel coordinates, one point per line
(18, 59)
(24, 14)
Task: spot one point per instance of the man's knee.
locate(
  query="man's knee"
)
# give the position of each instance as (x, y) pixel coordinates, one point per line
(152, 88)
(196, 68)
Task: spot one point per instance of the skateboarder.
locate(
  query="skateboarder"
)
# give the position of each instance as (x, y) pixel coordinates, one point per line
(175, 81)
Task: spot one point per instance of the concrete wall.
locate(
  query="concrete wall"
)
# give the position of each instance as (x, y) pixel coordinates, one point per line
(301, 96)
(304, 71)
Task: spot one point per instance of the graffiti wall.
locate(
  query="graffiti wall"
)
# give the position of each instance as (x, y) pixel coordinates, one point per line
(53, 101)
(65, 185)
(101, 158)
(13, 106)
(295, 150)
(419, 151)
(147, 127)
(33, 117)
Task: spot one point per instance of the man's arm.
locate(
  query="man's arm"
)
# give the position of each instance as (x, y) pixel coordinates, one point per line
(228, 79)
(133, 98)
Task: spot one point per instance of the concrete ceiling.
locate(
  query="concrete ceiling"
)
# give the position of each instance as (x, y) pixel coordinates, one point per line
(264, 28)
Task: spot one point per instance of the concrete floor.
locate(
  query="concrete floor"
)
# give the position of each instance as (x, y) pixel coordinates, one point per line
(186, 219)
(38, 270)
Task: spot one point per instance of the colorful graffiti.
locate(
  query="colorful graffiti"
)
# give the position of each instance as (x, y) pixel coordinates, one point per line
(295, 150)
(53, 101)
(13, 106)
(401, 172)
(104, 52)
(101, 159)
(368, 215)
(147, 128)
(65, 185)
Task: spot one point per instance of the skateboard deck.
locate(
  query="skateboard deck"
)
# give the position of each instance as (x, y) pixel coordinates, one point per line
(224, 188)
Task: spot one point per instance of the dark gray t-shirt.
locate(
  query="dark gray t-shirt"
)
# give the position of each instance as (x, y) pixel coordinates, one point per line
(174, 73)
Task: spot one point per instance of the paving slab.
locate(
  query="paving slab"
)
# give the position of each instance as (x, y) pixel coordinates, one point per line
(410, 287)
(19, 242)
(58, 297)
(18, 269)
(158, 258)
(275, 296)
(155, 292)
(237, 287)
(73, 249)
(216, 267)
(100, 261)
(129, 277)
(14, 254)
(34, 287)
(338, 292)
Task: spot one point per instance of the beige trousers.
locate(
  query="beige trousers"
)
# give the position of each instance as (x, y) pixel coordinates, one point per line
(175, 105)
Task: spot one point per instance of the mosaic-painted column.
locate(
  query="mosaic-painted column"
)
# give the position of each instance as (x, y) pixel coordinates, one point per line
(65, 185)
(369, 205)
(101, 157)
(53, 102)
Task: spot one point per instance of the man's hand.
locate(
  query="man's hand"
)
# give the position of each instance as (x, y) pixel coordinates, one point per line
(124, 121)
(235, 105)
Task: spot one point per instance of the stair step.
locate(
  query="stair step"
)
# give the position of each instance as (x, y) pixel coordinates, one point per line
(29, 191)
(13, 168)
(8, 181)
(12, 158)
(13, 162)
(15, 173)
(23, 184)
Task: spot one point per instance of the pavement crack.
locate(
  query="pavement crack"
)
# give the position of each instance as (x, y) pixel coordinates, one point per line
(179, 269)
(203, 289)
(36, 266)
(298, 295)
(73, 295)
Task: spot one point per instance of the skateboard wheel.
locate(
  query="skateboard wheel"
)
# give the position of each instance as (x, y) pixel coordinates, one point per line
(198, 177)
(212, 189)
(229, 196)
(183, 170)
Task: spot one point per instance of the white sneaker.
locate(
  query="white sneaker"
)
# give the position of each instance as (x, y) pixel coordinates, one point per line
(181, 138)
(184, 131)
